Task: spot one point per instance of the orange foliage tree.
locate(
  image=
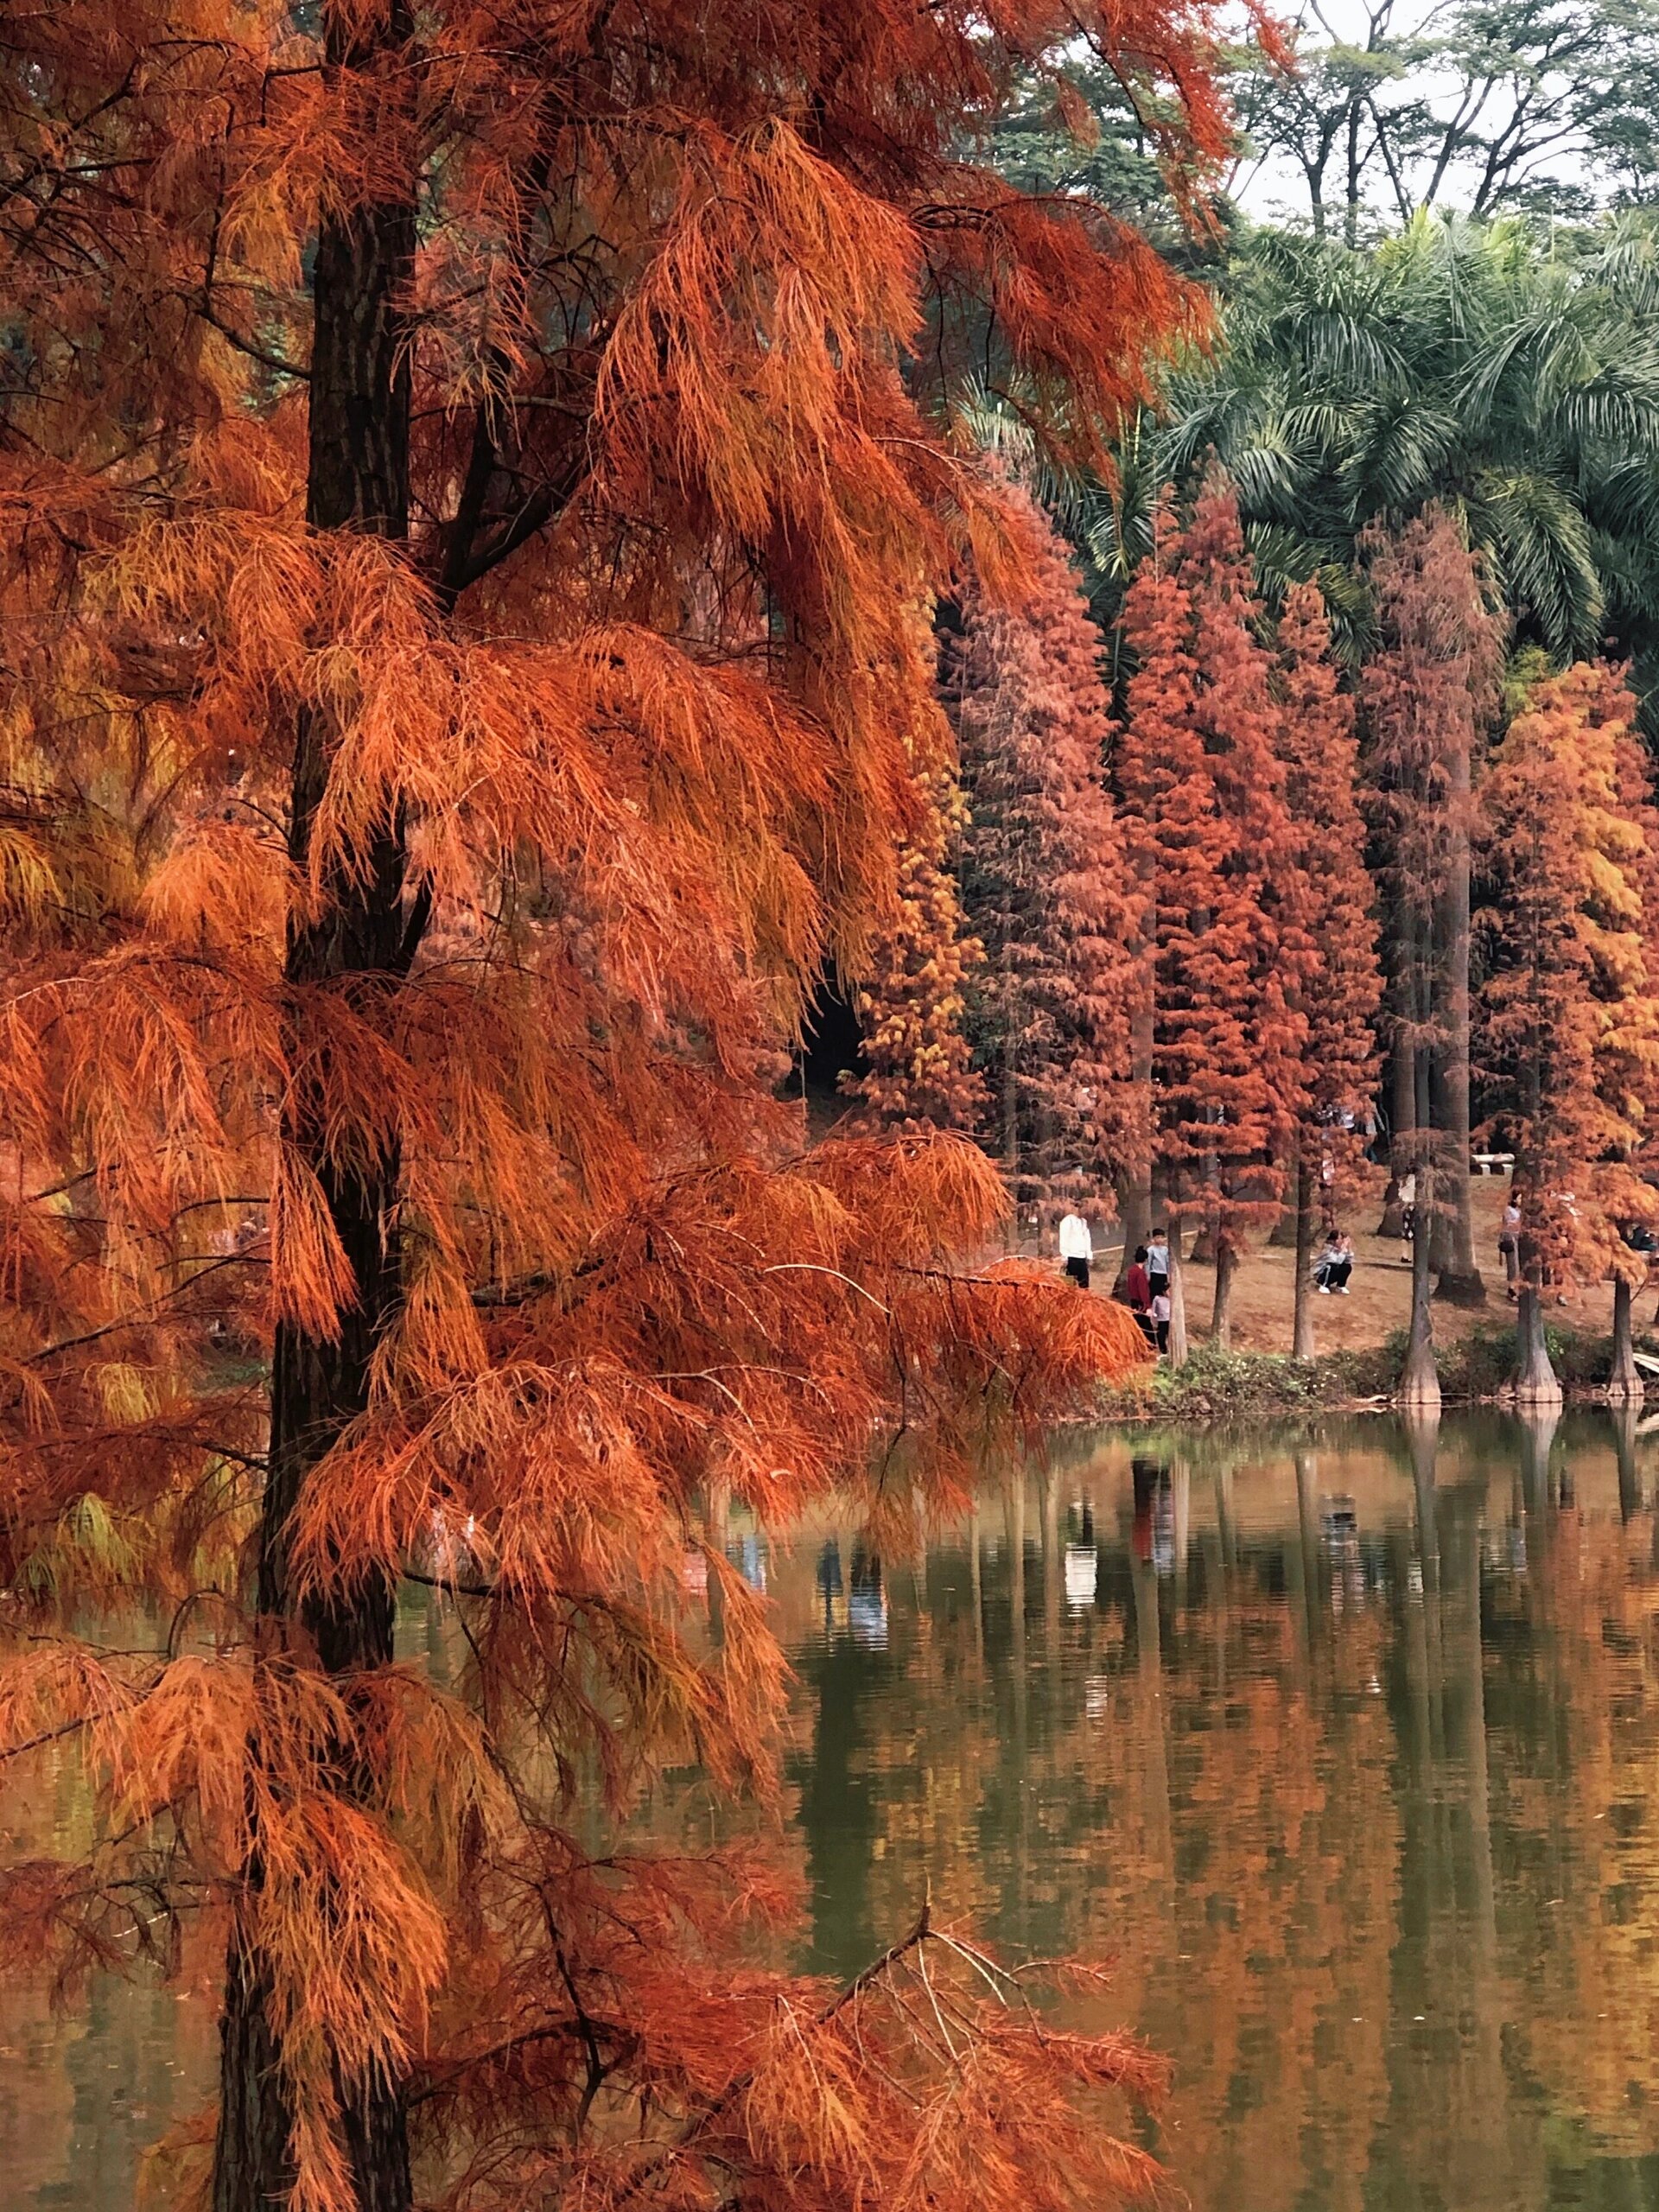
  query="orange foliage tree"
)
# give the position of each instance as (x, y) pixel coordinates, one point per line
(912, 1005)
(1046, 880)
(1428, 694)
(1341, 984)
(1203, 788)
(469, 476)
(1569, 1011)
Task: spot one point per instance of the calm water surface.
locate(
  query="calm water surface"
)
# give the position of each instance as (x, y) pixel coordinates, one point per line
(1346, 1753)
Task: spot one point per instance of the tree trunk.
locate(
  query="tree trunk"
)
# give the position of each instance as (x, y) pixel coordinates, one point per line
(1282, 1236)
(1135, 1200)
(1010, 1082)
(1402, 1087)
(1221, 1311)
(1419, 1382)
(1536, 1387)
(1134, 1211)
(1302, 1345)
(358, 480)
(1460, 1281)
(1442, 1230)
(1623, 1381)
(1178, 1344)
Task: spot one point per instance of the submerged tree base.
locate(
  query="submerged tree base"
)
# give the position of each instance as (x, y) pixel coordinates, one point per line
(1537, 1386)
(1624, 1385)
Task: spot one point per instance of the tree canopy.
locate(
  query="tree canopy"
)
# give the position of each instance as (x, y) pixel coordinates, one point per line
(1469, 366)
(475, 488)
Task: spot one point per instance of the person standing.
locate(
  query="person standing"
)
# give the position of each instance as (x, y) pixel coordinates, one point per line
(1157, 1264)
(1509, 1249)
(1137, 1292)
(1076, 1248)
(1160, 1313)
(1407, 1214)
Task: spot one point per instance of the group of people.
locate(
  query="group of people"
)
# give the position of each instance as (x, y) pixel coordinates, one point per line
(1145, 1284)
(1146, 1280)
(1146, 1289)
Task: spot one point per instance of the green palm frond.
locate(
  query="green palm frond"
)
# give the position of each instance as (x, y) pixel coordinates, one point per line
(1397, 456)
(1537, 543)
(1460, 361)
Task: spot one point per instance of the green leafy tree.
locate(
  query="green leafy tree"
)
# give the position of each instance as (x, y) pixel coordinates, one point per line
(1490, 106)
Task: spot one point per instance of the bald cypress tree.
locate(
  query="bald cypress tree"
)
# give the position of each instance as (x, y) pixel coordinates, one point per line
(1204, 790)
(1046, 883)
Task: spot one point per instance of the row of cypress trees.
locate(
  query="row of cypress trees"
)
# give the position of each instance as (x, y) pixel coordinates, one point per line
(1176, 939)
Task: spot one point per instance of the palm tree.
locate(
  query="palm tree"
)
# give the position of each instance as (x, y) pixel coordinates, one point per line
(1511, 379)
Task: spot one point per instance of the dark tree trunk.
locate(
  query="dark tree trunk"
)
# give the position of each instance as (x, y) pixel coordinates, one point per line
(1420, 1381)
(1402, 1072)
(1301, 1336)
(1135, 1198)
(363, 942)
(1282, 1235)
(1206, 1242)
(1459, 1274)
(1623, 1381)
(1221, 1311)
(1442, 1231)
(1135, 1212)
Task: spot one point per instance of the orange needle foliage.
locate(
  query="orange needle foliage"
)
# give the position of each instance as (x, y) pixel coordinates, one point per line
(1341, 996)
(1204, 788)
(919, 1073)
(1568, 1013)
(473, 478)
(1047, 881)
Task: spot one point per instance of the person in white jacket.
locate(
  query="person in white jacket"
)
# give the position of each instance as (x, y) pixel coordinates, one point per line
(1076, 1248)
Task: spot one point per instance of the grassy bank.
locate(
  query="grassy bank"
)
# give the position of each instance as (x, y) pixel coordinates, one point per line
(1246, 1385)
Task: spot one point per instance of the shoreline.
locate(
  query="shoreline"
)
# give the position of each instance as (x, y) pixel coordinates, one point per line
(1476, 1369)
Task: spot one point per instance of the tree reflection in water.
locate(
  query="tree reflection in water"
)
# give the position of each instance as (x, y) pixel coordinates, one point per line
(1343, 1745)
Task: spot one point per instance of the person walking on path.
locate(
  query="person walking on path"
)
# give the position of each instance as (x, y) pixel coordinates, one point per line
(1076, 1248)
(1157, 1264)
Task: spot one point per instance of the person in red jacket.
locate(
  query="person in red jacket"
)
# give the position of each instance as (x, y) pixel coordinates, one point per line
(1137, 1290)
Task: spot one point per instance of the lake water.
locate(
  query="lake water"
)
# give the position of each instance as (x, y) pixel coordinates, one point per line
(1346, 1753)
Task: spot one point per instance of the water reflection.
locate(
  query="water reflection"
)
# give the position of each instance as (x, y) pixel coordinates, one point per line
(1342, 1745)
